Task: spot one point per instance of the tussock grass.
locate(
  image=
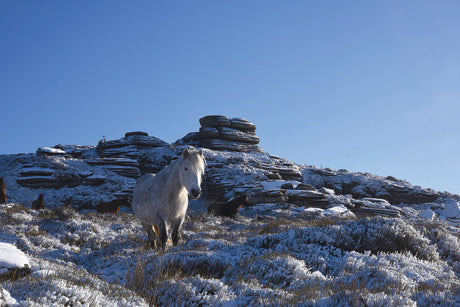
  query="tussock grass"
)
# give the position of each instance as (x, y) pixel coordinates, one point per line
(272, 259)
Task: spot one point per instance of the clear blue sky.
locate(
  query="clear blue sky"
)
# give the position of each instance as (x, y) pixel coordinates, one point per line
(371, 86)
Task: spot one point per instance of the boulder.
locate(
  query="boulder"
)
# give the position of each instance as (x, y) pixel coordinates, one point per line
(215, 121)
(267, 197)
(307, 198)
(376, 206)
(274, 175)
(287, 186)
(427, 214)
(399, 193)
(305, 186)
(452, 210)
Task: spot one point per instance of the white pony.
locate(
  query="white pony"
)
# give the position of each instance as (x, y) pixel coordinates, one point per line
(162, 199)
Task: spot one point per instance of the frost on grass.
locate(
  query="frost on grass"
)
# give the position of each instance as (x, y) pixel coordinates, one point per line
(278, 256)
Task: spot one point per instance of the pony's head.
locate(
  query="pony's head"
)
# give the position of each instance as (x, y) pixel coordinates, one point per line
(191, 171)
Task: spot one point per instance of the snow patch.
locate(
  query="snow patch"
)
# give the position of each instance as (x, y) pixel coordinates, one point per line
(11, 257)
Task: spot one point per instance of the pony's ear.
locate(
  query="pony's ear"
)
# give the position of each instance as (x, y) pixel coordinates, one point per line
(201, 151)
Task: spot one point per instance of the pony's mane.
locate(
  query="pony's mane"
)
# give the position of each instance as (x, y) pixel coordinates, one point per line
(197, 161)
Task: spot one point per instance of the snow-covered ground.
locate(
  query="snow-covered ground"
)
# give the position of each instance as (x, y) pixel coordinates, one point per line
(270, 254)
(313, 236)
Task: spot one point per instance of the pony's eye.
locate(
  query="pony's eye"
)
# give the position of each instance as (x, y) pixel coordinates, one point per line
(186, 168)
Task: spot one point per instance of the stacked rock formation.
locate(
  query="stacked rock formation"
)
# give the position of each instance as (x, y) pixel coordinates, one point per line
(129, 146)
(219, 132)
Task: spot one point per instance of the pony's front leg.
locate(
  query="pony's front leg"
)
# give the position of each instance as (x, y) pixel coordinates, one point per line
(163, 234)
(176, 231)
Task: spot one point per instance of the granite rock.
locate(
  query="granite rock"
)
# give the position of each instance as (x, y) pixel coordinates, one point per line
(215, 121)
(221, 133)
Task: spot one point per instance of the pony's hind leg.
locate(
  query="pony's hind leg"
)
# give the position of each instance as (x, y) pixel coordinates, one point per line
(151, 234)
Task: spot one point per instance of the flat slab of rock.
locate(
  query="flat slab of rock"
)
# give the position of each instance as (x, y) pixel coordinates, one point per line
(50, 151)
(130, 151)
(230, 134)
(307, 198)
(126, 171)
(267, 197)
(242, 124)
(208, 133)
(113, 161)
(376, 206)
(218, 144)
(36, 171)
(38, 181)
(134, 133)
(215, 121)
(94, 180)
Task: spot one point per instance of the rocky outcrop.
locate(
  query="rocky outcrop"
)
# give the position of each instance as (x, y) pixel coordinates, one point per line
(237, 172)
(364, 185)
(221, 133)
(130, 146)
(91, 177)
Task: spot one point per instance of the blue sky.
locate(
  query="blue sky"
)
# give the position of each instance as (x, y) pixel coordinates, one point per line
(369, 86)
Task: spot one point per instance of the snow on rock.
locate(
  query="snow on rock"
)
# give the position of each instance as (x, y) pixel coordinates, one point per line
(362, 185)
(130, 146)
(427, 214)
(312, 236)
(452, 210)
(11, 258)
(338, 211)
(277, 184)
(85, 176)
(50, 151)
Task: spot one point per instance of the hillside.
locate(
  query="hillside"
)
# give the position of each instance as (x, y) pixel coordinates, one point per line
(312, 236)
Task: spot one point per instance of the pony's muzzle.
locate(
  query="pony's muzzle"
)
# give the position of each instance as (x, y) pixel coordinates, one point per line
(195, 193)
